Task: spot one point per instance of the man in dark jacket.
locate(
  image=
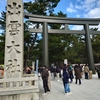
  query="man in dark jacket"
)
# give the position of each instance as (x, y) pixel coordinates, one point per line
(98, 71)
(45, 75)
(66, 82)
(52, 72)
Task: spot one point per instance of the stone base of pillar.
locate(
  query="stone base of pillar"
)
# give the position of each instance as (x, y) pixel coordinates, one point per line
(90, 74)
(26, 96)
(24, 88)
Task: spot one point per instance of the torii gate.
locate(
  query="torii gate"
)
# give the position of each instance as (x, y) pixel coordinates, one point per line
(67, 21)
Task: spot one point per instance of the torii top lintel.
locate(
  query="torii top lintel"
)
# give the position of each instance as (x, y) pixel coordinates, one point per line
(72, 21)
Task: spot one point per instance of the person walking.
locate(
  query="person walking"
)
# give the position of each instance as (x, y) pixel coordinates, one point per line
(70, 71)
(58, 73)
(98, 71)
(52, 72)
(49, 79)
(55, 71)
(77, 74)
(66, 82)
(45, 75)
(86, 71)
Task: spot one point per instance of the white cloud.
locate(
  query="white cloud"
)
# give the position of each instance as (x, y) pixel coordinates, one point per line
(27, 0)
(78, 7)
(89, 5)
(78, 0)
(86, 2)
(80, 27)
(86, 5)
(77, 15)
(85, 8)
(0, 14)
(71, 5)
(71, 8)
(77, 27)
(93, 13)
(96, 27)
(98, 3)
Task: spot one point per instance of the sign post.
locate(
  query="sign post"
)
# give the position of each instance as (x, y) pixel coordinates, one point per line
(37, 61)
(66, 61)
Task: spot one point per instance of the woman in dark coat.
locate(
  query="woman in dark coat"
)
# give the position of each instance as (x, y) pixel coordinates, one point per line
(77, 74)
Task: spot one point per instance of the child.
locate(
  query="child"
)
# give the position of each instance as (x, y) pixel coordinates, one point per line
(66, 82)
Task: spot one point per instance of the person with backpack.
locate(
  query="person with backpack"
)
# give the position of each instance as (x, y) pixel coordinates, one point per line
(45, 75)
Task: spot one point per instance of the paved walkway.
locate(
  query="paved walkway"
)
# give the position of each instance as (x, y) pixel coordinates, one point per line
(88, 90)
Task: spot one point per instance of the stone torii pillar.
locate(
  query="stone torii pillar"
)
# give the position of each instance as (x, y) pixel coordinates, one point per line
(14, 40)
(89, 49)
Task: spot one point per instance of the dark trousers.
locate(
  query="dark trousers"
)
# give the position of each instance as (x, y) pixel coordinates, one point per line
(98, 75)
(63, 82)
(86, 75)
(54, 74)
(79, 81)
(71, 77)
(45, 85)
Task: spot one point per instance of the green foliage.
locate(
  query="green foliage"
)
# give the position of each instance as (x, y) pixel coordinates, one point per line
(40, 7)
(61, 46)
(2, 36)
(2, 48)
(3, 21)
(33, 46)
(96, 47)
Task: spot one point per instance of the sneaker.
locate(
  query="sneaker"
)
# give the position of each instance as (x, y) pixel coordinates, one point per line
(44, 93)
(67, 94)
(70, 92)
(48, 92)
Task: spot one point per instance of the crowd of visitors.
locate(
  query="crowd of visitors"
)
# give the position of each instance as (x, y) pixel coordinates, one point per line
(66, 74)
